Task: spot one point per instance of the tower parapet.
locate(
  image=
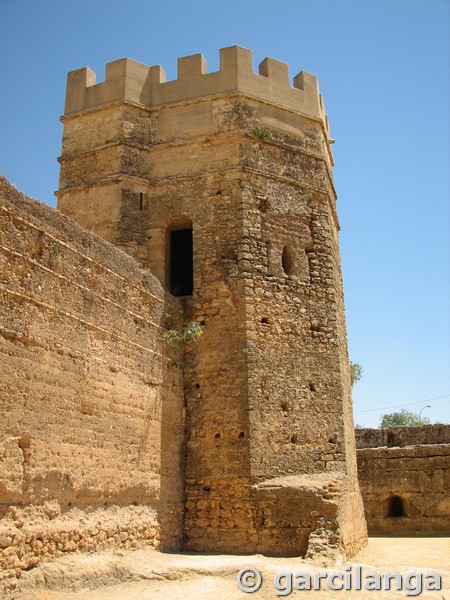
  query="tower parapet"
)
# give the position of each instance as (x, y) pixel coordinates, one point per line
(131, 81)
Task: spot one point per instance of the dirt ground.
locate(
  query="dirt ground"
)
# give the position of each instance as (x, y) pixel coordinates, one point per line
(146, 574)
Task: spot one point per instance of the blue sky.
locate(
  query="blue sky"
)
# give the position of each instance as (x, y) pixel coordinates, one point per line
(383, 72)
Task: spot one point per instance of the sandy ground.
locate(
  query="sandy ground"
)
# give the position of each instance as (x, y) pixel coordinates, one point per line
(146, 574)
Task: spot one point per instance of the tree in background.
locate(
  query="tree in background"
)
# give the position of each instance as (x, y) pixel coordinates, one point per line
(404, 417)
(356, 372)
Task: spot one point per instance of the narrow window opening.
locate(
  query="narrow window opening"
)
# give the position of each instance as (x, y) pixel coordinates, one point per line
(287, 261)
(395, 507)
(265, 321)
(181, 262)
(264, 206)
(141, 201)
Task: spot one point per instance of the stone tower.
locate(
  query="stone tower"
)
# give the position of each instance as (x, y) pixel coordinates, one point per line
(221, 184)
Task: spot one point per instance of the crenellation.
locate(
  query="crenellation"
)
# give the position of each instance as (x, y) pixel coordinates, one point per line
(130, 77)
(131, 81)
(236, 66)
(275, 70)
(78, 82)
(191, 67)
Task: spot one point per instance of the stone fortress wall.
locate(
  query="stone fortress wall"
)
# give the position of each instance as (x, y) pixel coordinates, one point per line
(404, 474)
(87, 393)
(251, 446)
(92, 444)
(242, 161)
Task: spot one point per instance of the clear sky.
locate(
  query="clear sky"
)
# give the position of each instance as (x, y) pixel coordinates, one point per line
(383, 69)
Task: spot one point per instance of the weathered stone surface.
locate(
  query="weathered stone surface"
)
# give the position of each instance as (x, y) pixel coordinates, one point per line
(87, 392)
(402, 436)
(244, 160)
(250, 446)
(405, 482)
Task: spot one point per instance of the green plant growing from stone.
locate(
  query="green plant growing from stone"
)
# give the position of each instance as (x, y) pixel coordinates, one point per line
(178, 340)
(262, 133)
(54, 252)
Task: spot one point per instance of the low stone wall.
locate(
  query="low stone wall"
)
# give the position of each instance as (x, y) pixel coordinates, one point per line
(402, 436)
(87, 393)
(405, 487)
(41, 532)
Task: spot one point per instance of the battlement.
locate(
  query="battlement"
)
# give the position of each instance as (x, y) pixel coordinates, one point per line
(128, 80)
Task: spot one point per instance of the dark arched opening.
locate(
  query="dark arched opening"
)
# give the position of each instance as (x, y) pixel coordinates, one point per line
(395, 506)
(287, 261)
